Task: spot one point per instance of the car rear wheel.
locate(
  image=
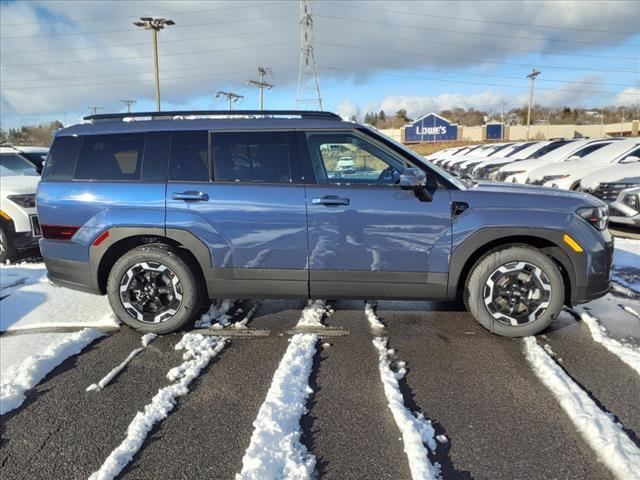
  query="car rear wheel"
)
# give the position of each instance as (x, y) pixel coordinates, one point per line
(154, 290)
(7, 250)
(515, 291)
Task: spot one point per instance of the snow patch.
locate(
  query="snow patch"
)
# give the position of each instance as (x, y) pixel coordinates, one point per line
(626, 263)
(217, 313)
(249, 315)
(199, 351)
(275, 450)
(146, 340)
(626, 353)
(630, 310)
(18, 379)
(415, 428)
(374, 320)
(607, 438)
(313, 314)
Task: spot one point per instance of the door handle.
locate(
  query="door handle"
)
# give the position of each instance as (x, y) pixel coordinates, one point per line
(330, 201)
(191, 196)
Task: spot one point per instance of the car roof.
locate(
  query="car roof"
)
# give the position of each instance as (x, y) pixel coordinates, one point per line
(207, 120)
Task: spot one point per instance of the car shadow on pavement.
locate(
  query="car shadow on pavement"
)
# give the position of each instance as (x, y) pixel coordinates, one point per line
(39, 390)
(308, 419)
(441, 455)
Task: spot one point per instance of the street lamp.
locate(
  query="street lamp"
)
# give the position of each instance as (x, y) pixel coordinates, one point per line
(155, 24)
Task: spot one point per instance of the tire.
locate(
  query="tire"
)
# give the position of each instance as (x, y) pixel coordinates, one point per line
(7, 250)
(161, 291)
(514, 291)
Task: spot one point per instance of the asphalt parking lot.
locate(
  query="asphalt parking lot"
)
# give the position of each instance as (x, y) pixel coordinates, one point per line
(478, 389)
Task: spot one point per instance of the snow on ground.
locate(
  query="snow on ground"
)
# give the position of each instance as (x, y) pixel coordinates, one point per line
(199, 351)
(37, 304)
(23, 376)
(145, 340)
(216, 316)
(248, 316)
(607, 438)
(275, 450)
(313, 314)
(374, 320)
(415, 428)
(626, 353)
(626, 263)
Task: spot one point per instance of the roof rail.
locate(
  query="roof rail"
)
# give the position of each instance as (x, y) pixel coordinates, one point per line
(217, 113)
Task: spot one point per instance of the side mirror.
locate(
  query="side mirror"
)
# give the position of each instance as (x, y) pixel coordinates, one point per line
(413, 179)
(573, 157)
(631, 159)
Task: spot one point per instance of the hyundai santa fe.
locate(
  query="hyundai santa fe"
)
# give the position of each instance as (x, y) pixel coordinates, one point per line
(162, 211)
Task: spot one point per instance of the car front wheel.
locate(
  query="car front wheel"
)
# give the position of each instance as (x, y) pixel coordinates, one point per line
(154, 290)
(7, 250)
(515, 291)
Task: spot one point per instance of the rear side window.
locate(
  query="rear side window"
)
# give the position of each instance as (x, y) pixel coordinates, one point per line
(189, 159)
(61, 161)
(115, 157)
(251, 157)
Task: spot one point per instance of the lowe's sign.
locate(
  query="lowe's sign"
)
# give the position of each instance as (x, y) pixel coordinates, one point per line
(430, 128)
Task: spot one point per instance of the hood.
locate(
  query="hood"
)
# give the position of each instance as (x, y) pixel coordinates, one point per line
(18, 184)
(523, 189)
(525, 165)
(570, 168)
(625, 173)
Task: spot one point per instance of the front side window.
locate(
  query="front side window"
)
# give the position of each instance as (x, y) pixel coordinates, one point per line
(116, 157)
(345, 158)
(189, 157)
(251, 157)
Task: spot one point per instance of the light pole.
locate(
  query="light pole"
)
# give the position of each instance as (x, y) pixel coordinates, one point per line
(532, 76)
(230, 96)
(155, 25)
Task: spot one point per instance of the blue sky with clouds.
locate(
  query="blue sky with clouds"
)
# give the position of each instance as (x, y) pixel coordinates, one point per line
(59, 57)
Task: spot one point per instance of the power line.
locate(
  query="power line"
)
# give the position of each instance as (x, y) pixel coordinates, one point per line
(467, 59)
(225, 22)
(438, 29)
(137, 57)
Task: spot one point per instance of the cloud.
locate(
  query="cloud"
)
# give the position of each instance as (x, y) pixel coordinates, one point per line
(347, 109)
(629, 96)
(63, 56)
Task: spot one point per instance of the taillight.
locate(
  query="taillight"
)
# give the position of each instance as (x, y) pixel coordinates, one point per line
(58, 232)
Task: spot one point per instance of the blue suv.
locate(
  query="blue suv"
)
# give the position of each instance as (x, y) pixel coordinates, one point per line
(163, 211)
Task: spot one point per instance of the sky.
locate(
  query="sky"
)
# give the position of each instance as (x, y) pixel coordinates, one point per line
(58, 58)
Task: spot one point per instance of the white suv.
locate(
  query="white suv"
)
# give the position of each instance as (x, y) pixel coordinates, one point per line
(19, 226)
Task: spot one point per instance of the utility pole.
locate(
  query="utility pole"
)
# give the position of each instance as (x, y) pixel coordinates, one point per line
(230, 96)
(308, 94)
(128, 103)
(261, 84)
(502, 128)
(155, 25)
(602, 122)
(94, 110)
(532, 76)
(622, 122)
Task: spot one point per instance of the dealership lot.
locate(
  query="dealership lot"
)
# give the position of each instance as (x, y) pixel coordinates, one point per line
(492, 416)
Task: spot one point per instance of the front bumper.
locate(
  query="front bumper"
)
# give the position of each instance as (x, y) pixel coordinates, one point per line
(593, 282)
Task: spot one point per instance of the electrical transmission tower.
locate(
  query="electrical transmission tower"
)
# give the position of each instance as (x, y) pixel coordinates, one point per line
(230, 96)
(128, 103)
(308, 83)
(261, 84)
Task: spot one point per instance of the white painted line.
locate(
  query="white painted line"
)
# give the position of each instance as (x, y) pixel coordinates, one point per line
(415, 428)
(275, 451)
(374, 321)
(199, 351)
(20, 378)
(607, 439)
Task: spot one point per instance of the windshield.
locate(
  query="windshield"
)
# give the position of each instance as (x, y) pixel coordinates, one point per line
(16, 164)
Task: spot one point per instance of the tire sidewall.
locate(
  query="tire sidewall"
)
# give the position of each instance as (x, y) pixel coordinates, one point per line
(191, 293)
(9, 250)
(487, 265)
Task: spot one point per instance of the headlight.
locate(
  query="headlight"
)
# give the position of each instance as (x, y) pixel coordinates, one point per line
(633, 200)
(596, 216)
(515, 172)
(548, 178)
(25, 201)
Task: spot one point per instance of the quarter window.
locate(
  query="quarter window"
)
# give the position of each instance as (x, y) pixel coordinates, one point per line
(114, 157)
(251, 157)
(189, 159)
(345, 158)
(61, 161)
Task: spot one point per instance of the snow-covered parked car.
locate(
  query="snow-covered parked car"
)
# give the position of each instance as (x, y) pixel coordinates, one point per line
(21, 158)
(619, 186)
(19, 226)
(567, 174)
(574, 150)
(489, 167)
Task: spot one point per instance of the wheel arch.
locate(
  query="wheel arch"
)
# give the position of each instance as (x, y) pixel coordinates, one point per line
(474, 248)
(120, 240)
